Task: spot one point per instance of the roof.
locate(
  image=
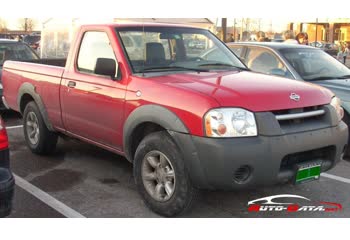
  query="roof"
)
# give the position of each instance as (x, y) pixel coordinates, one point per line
(272, 45)
(132, 22)
(139, 24)
(168, 20)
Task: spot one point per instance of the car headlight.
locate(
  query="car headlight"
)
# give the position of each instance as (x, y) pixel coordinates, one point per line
(230, 122)
(336, 103)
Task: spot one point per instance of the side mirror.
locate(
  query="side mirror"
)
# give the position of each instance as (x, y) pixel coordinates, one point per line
(106, 67)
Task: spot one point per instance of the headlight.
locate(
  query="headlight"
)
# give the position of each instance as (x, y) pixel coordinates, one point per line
(230, 122)
(336, 103)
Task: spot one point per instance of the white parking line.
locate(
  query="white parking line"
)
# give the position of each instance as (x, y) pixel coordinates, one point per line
(13, 127)
(47, 199)
(340, 179)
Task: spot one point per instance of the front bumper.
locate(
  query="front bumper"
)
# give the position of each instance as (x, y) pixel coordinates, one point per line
(7, 184)
(217, 163)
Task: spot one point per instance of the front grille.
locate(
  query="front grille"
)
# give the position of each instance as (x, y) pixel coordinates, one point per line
(302, 119)
(299, 115)
(323, 154)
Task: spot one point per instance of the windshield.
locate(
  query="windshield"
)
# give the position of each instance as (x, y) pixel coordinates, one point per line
(314, 64)
(16, 51)
(165, 49)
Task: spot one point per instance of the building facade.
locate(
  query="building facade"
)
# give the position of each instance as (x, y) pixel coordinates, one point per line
(326, 30)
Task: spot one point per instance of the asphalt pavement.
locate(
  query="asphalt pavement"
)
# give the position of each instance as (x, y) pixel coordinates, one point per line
(81, 180)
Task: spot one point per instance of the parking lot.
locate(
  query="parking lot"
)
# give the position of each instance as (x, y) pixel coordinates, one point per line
(81, 180)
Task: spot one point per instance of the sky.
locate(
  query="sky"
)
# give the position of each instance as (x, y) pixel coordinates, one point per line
(13, 23)
(278, 25)
(281, 12)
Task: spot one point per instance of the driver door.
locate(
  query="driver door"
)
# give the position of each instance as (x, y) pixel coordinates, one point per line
(92, 104)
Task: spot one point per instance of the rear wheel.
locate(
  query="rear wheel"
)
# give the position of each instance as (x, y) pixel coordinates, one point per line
(161, 176)
(39, 139)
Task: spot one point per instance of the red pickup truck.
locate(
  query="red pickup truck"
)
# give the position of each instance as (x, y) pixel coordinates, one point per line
(186, 119)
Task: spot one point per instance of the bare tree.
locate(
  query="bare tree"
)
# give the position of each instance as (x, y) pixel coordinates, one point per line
(3, 25)
(27, 24)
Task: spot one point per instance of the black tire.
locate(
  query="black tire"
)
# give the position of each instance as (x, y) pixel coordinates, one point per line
(183, 194)
(47, 140)
(346, 119)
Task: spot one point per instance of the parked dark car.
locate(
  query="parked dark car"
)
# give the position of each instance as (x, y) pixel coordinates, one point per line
(6, 36)
(330, 48)
(298, 62)
(33, 41)
(14, 50)
(6, 179)
(277, 40)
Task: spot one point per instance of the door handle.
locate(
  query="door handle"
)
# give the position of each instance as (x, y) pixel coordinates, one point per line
(71, 84)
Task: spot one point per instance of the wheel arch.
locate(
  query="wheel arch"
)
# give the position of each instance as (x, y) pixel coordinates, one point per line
(147, 119)
(26, 94)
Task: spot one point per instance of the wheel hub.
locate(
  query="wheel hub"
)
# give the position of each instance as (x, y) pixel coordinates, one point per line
(158, 176)
(32, 128)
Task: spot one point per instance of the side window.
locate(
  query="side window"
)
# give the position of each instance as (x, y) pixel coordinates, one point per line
(93, 46)
(237, 50)
(264, 61)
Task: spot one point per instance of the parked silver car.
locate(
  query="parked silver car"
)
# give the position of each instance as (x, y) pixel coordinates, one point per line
(299, 62)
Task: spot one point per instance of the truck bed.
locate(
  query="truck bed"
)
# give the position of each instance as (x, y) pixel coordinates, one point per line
(44, 74)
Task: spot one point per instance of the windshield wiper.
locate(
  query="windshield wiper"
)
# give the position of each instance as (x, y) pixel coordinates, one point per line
(223, 65)
(343, 77)
(321, 78)
(172, 68)
(328, 78)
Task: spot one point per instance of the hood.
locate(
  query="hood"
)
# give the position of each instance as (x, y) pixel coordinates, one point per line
(252, 91)
(341, 87)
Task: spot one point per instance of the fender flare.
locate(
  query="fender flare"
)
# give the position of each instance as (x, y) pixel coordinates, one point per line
(154, 114)
(28, 88)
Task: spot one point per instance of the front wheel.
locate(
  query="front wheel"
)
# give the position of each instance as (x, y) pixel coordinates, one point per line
(39, 139)
(161, 176)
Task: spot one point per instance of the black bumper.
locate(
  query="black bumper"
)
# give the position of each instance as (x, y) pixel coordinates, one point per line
(7, 184)
(238, 163)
